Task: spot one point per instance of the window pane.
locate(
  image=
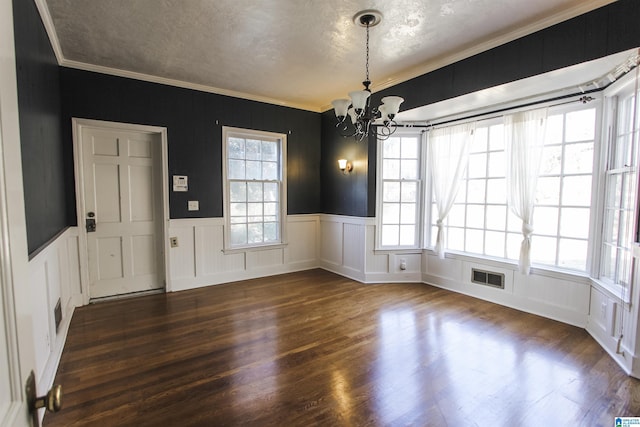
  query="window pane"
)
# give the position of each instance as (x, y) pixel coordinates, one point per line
(254, 209)
(580, 125)
(390, 235)
(391, 192)
(390, 169)
(391, 148)
(407, 235)
(236, 148)
(271, 232)
(495, 244)
(409, 192)
(238, 234)
(614, 190)
(576, 190)
(270, 151)
(271, 209)
(496, 191)
(575, 222)
(391, 213)
(548, 191)
(551, 158)
(479, 142)
(238, 209)
(496, 136)
(543, 250)
(608, 262)
(474, 241)
(254, 191)
(578, 158)
(255, 233)
(477, 165)
(611, 224)
(555, 126)
(514, 241)
(573, 254)
(545, 220)
(254, 170)
(269, 171)
(271, 192)
(253, 149)
(238, 191)
(409, 169)
(475, 216)
(496, 217)
(409, 148)
(236, 169)
(408, 213)
(476, 192)
(454, 239)
(497, 163)
(455, 217)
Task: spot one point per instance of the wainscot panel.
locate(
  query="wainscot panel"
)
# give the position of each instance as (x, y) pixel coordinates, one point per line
(199, 258)
(55, 275)
(556, 296)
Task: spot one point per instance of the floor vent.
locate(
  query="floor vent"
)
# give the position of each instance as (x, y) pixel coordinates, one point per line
(487, 278)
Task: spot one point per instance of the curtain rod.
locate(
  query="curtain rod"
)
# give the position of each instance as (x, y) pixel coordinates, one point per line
(495, 113)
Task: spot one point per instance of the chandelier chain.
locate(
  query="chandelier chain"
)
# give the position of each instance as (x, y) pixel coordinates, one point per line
(367, 62)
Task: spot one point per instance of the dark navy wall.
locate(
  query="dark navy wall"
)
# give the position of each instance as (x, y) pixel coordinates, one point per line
(195, 140)
(46, 190)
(602, 32)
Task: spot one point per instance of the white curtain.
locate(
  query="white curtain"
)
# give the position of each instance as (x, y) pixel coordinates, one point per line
(448, 152)
(524, 141)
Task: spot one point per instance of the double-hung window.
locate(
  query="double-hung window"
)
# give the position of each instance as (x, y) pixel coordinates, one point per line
(254, 187)
(399, 187)
(621, 175)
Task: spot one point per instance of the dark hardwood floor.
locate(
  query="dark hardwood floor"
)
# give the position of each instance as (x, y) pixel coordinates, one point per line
(314, 348)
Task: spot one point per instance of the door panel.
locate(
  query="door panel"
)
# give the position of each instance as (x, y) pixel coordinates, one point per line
(122, 190)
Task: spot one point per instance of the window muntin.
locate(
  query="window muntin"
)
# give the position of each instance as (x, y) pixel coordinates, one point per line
(480, 221)
(399, 207)
(254, 171)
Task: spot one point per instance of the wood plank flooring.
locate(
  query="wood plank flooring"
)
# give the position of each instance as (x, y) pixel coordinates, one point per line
(314, 348)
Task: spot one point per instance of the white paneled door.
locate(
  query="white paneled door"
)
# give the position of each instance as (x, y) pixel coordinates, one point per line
(122, 181)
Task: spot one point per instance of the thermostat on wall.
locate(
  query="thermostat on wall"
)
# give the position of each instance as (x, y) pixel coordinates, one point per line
(180, 183)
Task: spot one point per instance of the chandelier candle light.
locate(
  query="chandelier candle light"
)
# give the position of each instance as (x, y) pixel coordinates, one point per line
(358, 108)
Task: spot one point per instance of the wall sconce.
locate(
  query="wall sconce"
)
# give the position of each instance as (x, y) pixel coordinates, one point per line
(345, 166)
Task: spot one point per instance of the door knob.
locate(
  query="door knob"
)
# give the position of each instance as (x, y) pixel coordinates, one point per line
(52, 401)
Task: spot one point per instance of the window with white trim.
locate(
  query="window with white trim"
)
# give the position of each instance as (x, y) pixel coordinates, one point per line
(254, 187)
(480, 222)
(621, 175)
(399, 184)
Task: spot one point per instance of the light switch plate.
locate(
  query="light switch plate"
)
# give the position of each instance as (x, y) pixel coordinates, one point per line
(194, 205)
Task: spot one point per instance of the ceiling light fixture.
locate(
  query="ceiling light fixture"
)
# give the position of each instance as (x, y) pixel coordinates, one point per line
(358, 108)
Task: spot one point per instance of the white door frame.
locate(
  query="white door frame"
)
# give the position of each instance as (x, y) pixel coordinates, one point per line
(78, 125)
(16, 290)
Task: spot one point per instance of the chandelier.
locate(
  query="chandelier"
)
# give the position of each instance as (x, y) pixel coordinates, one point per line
(358, 107)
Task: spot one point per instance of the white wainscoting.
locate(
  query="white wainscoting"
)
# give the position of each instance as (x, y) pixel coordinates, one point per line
(610, 317)
(199, 260)
(550, 294)
(348, 249)
(54, 274)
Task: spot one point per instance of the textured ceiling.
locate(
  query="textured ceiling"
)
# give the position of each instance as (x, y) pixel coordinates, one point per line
(301, 53)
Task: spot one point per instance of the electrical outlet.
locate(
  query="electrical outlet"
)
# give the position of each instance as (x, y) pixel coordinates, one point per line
(174, 242)
(193, 205)
(603, 311)
(403, 264)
